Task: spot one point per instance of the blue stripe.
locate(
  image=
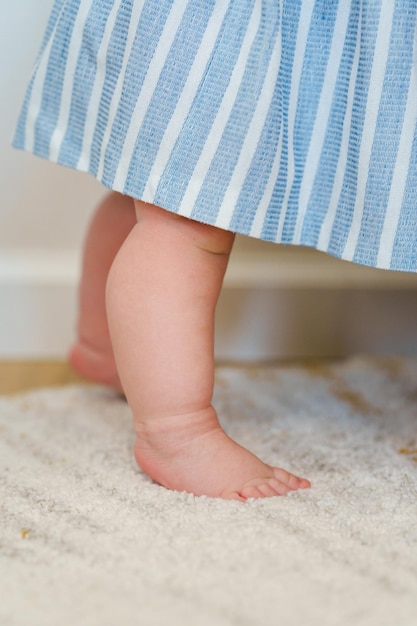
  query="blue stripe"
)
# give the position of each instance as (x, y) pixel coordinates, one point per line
(149, 31)
(85, 74)
(343, 219)
(387, 134)
(404, 254)
(114, 62)
(325, 177)
(290, 20)
(262, 161)
(311, 84)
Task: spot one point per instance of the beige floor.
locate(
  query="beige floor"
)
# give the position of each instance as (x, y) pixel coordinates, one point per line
(16, 376)
(22, 375)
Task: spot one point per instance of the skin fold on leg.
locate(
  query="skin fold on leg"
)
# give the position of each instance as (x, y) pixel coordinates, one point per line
(162, 292)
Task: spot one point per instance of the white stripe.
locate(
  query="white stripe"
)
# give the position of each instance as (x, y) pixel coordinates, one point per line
(66, 92)
(302, 37)
(222, 117)
(149, 84)
(322, 115)
(371, 114)
(327, 224)
(399, 178)
(117, 93)
(95, 97)
(252, 137)
(35, 101)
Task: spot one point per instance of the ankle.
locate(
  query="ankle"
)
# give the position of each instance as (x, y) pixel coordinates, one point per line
(94, 365)
(174, 427)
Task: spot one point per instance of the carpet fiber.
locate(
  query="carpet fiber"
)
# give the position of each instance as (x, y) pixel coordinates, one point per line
(86, 539)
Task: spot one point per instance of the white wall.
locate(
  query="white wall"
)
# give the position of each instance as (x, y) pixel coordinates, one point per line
(42, 205)
(277, 302)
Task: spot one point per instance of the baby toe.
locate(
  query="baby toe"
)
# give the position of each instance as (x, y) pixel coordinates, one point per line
(232, 495)
(292, 481)
(280, 488)
(267, 490)
(251, 491)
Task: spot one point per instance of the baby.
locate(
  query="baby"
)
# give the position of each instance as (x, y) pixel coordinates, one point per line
(148, 293)
(293, 121)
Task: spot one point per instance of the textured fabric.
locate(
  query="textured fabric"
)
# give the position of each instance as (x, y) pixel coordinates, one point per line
(87, 539)
(293, 121)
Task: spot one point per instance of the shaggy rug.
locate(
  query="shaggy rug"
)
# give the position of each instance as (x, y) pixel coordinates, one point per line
(86, 539)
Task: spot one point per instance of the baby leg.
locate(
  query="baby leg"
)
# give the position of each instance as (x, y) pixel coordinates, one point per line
(161, 297)
(92, 354)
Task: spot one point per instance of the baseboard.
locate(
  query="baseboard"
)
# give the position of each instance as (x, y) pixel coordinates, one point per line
(272, 307)
(37, 302)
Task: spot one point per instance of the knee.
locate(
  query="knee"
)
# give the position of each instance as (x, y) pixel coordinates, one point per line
(204, 236)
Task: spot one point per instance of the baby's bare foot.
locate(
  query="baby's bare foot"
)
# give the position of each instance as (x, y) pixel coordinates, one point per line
(192, 453)
(97, 365)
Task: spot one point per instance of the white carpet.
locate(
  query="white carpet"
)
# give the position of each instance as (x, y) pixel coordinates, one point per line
(87, 540)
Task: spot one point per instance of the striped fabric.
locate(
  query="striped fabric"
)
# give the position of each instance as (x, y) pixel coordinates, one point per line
(292, 121)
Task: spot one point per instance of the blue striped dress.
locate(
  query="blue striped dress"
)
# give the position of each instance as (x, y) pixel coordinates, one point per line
(293, 121)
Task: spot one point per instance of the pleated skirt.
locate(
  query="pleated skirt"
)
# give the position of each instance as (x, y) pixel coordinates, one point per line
(293, 121)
